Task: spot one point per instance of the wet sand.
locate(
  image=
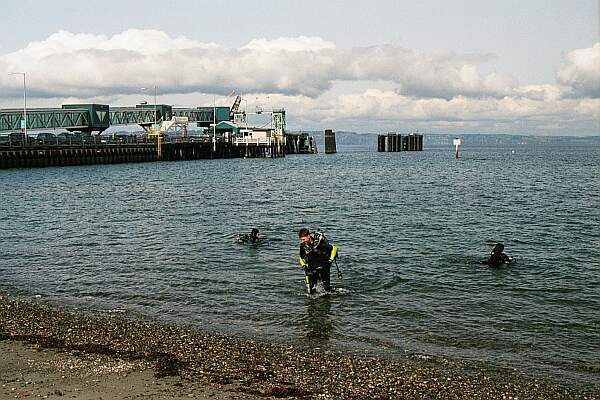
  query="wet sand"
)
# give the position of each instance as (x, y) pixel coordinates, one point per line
(49, 353)
(28, 371)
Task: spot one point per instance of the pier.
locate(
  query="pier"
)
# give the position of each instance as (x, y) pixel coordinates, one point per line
(224, 133)
(113, 152)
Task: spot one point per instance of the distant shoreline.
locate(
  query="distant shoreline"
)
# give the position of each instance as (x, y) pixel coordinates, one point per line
(468, 139)
(207, 364)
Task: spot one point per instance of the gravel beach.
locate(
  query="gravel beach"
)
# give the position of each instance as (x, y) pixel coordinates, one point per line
(51, 353)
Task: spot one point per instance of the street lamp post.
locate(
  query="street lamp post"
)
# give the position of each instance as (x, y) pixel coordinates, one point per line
(214, 126)
(154, 130)
(158, 144)
(155, 107)
(24, 101)
(155, 114)
(245, 108)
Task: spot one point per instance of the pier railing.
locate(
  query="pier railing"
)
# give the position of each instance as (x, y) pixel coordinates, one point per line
(253, 141)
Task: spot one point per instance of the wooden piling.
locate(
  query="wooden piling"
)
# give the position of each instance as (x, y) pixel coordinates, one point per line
(330, 146)
(380, 143)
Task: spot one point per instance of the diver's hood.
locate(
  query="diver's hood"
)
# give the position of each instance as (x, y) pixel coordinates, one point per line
(498, 248)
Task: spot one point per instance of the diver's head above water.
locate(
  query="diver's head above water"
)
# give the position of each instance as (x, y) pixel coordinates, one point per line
(497, 249)
(304, 236)
(497, 257)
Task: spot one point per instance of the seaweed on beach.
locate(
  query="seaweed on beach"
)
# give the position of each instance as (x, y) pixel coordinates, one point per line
(168, 365)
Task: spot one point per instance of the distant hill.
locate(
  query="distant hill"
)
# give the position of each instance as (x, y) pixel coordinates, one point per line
(474, 140)
(344, 138)
(495, 140)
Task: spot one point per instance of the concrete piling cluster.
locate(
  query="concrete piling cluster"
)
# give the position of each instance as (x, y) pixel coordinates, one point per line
(396, 142)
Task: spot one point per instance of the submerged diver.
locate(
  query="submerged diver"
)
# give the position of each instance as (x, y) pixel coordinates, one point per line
(316, 257)
(252, 238)
(497, 257)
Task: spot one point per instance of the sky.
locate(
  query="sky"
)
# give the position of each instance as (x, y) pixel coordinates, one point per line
(457, 66)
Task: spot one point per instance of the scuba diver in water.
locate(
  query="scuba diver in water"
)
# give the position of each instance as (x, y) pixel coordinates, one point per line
(252, 238)
(497, 257)
(316, 257)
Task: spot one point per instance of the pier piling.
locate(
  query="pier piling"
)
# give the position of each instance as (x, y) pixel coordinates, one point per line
(396, 142)
(381, 143)
(330, 146)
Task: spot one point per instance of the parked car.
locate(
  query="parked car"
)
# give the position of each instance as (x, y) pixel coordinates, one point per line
(46, 138)
(11, 139)
(83, 137)
(65, 138)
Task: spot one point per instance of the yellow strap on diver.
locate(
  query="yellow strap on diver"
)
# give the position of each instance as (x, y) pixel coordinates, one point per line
(302, 262)
(333, 253)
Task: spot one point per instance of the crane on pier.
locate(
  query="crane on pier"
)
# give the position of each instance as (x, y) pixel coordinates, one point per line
(236, 105)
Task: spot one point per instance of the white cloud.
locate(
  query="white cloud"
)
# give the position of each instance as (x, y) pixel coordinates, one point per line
(70, 64)
(318, 82)
(377, 110)
(539, 92)
(441, 74)
(581, 72)
(301, 43)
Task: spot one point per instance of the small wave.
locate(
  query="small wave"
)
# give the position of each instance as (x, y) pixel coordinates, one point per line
(321, 292)
(117, 311)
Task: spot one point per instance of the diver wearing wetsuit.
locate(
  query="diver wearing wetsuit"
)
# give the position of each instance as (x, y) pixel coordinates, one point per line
(497, 257)
(316, 257)
(252, 238)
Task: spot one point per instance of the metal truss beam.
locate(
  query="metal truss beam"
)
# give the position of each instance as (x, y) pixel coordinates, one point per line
(200, 114)
(45, 118)
(133, 115)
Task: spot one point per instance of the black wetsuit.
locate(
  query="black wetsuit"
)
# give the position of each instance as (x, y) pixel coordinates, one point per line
(251, 238)
(315, 257)
(497, 257)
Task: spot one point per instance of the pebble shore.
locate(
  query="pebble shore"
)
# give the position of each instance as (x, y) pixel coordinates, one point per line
(258, 369)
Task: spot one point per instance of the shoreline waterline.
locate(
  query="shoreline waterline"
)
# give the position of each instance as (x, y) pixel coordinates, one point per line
(258, 368)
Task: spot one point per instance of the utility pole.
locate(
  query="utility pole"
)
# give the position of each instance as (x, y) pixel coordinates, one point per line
(155, 130)
(214, 126)
(24, 122)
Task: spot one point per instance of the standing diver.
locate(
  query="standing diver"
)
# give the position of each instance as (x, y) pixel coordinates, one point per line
(316, 257)
(497, 257)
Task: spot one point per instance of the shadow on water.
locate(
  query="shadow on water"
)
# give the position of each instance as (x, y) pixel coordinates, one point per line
(317, 321)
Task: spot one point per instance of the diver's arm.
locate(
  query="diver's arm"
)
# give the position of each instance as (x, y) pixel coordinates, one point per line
(303, 262)
(333, 253)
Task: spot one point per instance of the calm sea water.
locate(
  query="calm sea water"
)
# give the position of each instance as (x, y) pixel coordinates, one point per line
(158, 239)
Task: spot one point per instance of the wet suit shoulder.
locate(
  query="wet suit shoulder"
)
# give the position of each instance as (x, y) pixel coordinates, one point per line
(497, 259)
(319, 253)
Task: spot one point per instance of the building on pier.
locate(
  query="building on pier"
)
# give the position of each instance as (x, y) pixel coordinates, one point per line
(248, 137)
(99, 117)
